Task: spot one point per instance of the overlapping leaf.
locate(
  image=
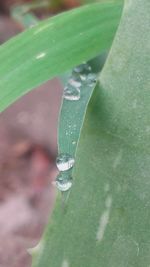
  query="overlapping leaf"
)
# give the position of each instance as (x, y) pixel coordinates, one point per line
(55, 46)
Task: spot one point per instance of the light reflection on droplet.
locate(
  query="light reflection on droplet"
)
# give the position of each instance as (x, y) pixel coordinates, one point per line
(71, 93)
(74, 82)
(64, 162)
(63, 182)
(82, 68)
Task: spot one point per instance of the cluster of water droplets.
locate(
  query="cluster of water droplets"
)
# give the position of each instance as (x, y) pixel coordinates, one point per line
(64, 163)
(81, 75)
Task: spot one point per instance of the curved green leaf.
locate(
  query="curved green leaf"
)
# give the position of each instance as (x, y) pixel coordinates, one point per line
(73, 112)
(55, 46)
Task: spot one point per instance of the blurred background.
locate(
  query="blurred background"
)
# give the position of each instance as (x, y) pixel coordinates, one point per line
(28, 147)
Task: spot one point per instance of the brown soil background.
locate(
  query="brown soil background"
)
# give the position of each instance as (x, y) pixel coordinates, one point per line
(28, 147)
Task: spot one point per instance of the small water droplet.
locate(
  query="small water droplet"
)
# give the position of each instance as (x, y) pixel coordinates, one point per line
(91, 79)
(63, 182)
(64, 162)
(71, 93)
(75, 82)
(83, 77)
(82, 68)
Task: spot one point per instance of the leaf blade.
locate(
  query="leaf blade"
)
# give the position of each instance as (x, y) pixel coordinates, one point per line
(32, 57)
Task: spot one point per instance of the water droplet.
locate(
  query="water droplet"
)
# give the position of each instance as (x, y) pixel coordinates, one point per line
(63, 182)
(91, 79)
(83, 77)
(74, 82)
(82, 68)
(64, 162)
(71, 93)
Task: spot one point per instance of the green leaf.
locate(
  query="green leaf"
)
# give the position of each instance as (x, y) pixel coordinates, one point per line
(55, 46)
(107, 218)
(73, 112)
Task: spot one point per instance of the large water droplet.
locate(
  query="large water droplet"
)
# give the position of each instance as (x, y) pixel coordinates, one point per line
(64, 162)
(63, 182)
(71, 93)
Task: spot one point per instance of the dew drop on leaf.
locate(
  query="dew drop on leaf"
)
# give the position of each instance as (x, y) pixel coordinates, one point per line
(74, 81)
(64, 162)
(63, 182)
(83, 77)
(82, 68)
(71, 93)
